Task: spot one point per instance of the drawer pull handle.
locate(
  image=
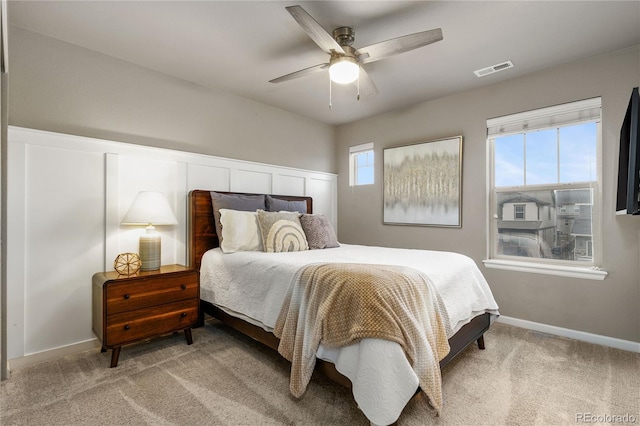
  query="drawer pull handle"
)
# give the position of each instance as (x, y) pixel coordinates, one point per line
(127, 327)
(184, 314)
(126, 296)
(183, 286)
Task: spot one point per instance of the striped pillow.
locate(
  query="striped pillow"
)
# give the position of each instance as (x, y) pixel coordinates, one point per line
(281, 231)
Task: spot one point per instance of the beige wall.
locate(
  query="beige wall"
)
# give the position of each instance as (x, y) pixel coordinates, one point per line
(60, 87)
(610, 307)
(63, 88)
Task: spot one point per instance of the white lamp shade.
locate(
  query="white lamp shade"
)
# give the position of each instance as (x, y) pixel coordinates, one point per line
(344, 70)
(150, 208)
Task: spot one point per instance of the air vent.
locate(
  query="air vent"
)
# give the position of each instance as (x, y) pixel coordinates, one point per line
(494, 68)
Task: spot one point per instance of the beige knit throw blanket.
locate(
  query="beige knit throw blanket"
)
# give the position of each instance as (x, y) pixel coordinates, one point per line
(337, 304)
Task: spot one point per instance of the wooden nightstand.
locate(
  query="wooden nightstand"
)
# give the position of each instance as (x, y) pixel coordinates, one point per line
(127, 309)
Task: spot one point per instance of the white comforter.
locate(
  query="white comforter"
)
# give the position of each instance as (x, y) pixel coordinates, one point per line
(253, 285)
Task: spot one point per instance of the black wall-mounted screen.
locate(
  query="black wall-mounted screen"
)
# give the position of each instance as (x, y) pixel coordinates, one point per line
(629, 162)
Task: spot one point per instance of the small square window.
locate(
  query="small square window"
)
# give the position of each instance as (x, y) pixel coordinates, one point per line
(361, 165)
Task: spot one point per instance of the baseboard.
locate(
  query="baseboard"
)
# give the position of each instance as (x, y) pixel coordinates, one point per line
(612, 342)
(51, 354)
(625, 345)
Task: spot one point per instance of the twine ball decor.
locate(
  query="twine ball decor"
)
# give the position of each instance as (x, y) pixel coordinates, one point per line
(127, 263)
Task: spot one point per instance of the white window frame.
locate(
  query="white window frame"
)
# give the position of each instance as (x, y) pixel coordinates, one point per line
(354, 151)
(588, 110)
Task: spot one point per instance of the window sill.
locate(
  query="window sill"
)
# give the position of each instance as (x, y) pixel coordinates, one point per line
(589, 273)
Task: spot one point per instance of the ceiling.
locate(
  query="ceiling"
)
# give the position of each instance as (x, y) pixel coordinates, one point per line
(238, 46)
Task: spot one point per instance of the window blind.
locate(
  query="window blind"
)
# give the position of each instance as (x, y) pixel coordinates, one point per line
(545, 118)
(360, 148)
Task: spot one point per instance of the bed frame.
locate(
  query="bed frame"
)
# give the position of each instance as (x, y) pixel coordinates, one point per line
(202, 237)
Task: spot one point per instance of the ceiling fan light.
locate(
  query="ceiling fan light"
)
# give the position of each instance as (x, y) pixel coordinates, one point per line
(344, 71)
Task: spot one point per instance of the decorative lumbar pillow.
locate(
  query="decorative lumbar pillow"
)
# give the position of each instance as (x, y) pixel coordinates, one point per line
(278, 205)
(319, 231)
(247, 203)
(240, 231)
(281, 231)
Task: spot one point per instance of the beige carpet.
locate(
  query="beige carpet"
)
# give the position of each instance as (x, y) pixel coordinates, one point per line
(522, 378)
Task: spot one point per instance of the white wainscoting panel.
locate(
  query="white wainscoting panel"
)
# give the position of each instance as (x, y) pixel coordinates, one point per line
(289, 185)
(323, 202)
(67, 196)
(259, 182)
(209, 177)
(64, 241)
(137, 174)
(16, 248)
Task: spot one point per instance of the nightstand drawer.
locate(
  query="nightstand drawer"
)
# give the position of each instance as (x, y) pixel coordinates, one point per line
(131, 326)
(127, 296)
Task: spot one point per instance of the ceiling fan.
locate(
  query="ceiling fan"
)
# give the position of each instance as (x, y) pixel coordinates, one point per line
(345, 62)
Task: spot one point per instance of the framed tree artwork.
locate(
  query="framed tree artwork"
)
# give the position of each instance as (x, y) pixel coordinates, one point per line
(423, 183)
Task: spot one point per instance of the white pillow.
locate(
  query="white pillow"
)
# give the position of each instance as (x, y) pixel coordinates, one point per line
(240, 231)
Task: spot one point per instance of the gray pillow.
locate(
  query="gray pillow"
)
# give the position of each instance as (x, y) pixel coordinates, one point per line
(245, 203)
(277, 205)
(319, 231)
(281, 231)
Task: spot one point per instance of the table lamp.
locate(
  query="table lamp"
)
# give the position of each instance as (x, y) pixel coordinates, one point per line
(150, 208)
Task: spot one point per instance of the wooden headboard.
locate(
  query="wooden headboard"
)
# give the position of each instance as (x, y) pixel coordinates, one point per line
(201, 230)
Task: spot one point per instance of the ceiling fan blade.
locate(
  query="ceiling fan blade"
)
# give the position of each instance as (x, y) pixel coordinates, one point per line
(367, 86)
(300, 73)
(384, 49)
(314, 30)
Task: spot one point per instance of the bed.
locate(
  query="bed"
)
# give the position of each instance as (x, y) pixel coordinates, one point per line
(380, 398)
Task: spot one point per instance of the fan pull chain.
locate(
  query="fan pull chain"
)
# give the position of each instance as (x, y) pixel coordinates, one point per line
(330, 106)
(359, 70)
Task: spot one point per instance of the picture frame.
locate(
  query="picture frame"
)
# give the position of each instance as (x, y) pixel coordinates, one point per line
(422, 183)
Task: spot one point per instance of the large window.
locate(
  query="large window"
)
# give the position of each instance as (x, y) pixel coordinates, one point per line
(361, 164)
(544, 185)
